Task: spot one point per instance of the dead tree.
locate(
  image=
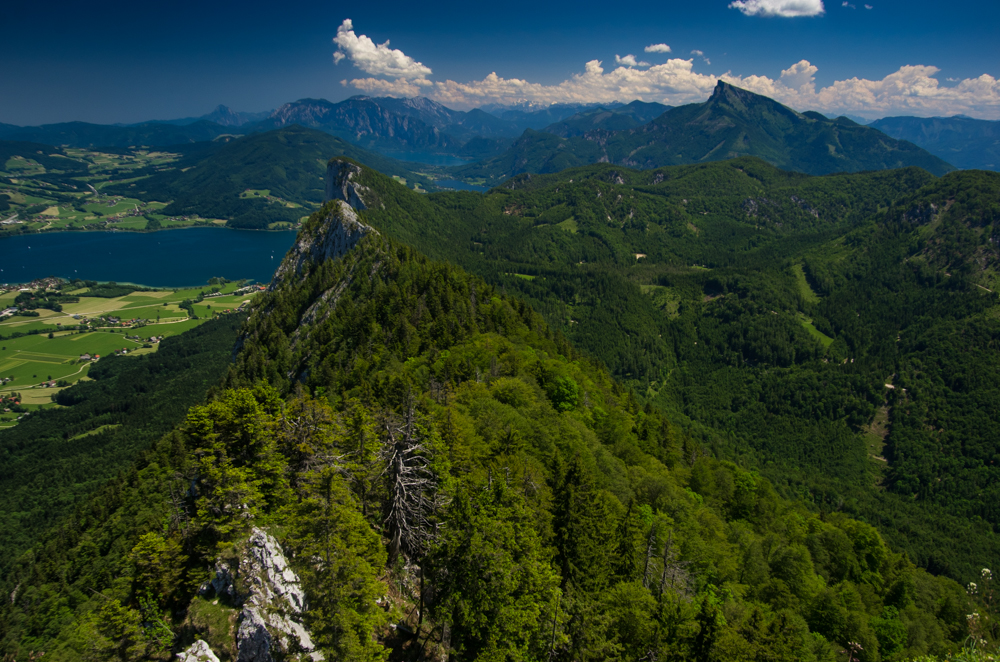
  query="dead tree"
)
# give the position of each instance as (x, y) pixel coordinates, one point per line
(674, 573)
(410, 489)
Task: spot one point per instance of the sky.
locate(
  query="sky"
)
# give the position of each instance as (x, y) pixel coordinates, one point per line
(109, 62)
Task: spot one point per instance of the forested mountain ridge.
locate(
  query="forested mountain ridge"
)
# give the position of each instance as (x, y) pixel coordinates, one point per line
(84, 134)
(763, 307)
(419, 442)
(732, 123)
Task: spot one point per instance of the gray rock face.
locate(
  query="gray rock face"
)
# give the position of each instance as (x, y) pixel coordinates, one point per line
(199, 651)
(340, 187)
(270, 626)
(339, 232)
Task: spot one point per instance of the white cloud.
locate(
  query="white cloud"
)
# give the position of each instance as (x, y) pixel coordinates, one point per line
(629, 61)
(701, 54)
(869, 7)
(845, 3)
(375, 59)
(912, 90)
(673, 81)
(657, 48)
(800, 76)
(783, 8)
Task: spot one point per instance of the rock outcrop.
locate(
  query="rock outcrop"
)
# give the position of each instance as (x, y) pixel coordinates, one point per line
(337, 233)
(339, 184)
(266, 590)
(199, 651)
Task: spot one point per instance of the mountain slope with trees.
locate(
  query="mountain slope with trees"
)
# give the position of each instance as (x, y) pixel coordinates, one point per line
(769, 310)
(289, 162)
(419, 441)
(732, 123)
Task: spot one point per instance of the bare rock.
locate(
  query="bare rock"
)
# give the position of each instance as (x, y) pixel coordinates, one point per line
(338, 232)
(271, 602)
(199, 651)
(340, 187)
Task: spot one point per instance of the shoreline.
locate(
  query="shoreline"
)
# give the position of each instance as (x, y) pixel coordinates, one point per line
(142, 231)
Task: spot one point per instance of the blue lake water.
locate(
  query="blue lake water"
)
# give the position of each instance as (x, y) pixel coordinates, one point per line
(428, 158)
(460, 186)
(168, 258)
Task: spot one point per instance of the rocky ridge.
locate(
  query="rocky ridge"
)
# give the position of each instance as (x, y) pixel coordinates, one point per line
(267, 592)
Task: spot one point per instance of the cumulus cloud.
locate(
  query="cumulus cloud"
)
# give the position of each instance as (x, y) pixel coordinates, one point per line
(869, 7)
(701, 54)
(845, 3)
(782, 8)
(912, 90)
(800, 76)
(375, 59)
(673, 81)
(657, 48)
(629, 61)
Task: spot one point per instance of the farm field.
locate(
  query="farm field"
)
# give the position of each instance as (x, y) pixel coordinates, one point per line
(67, 192)
(34, 358)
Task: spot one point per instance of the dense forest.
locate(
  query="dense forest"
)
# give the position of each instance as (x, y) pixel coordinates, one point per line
(450, 477)
(833, 332)
(55, 458)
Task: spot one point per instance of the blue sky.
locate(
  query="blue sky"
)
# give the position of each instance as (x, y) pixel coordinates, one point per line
(128, 62)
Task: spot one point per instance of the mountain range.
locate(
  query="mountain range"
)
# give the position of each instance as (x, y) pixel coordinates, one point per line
(962, 141)
(716, 411)
(732, 122)
(509, 140)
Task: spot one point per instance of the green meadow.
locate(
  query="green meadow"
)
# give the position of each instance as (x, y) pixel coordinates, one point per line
(33, 357)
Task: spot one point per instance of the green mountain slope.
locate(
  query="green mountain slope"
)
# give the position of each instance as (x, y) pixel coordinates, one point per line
(962, 141)
(56, 458)
(289, 163)
(431, 455)
(732, 123)
(764, 308)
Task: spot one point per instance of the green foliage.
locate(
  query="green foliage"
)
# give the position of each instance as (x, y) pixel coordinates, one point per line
(133, 400)
(550, 512)
(709, 325)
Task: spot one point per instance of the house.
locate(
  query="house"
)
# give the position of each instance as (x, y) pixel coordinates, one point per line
(85, 357)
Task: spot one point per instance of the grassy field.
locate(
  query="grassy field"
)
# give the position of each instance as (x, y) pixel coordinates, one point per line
(34, 358)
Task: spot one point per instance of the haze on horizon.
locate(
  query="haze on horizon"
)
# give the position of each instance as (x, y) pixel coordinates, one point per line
(111, 62)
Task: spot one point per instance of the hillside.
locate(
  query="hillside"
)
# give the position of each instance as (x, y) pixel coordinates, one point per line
(405, 457)
(288, 163)
(732, 123)
(764, 309)
(961, 141)
(82, 134)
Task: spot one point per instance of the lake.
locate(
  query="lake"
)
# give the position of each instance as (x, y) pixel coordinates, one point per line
(168, 258)
(461, 186)
(427, 158)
